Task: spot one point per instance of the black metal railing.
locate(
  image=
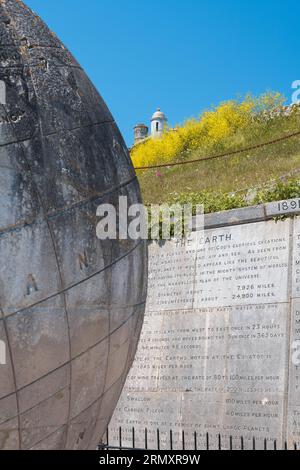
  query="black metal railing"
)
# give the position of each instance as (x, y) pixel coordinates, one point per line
(195, 442)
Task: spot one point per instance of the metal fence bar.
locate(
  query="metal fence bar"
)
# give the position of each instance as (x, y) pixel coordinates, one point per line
(171, 439)
(193, 441)
(120, 437)
(158, 439)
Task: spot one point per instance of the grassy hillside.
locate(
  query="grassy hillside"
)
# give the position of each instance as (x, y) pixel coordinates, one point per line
(225, 129)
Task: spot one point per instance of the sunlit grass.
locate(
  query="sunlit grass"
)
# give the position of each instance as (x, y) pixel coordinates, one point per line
(231, 174)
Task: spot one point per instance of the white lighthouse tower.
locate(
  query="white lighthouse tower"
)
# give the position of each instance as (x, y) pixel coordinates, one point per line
(158, 123)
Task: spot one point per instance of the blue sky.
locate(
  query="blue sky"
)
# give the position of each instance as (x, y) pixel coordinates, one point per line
(181, 55)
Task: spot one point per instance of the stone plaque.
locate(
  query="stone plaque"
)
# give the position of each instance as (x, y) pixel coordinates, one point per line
(215, 362)
(216, 352)
(296, 259)
(294, 376)
(217, 267)
(288, 206)
(171, 275)
(242, 265)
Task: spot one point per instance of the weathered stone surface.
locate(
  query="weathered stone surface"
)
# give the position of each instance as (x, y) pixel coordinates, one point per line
(216, 351)
(213, 267)
(235, 216)
(169, 288)
(233, 265)
(71, 305)
(296, 259)
(294, 379)
(286, 207)
(251, 214)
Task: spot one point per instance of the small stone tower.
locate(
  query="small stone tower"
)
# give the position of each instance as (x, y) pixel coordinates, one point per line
(140, 133)
(158, 123)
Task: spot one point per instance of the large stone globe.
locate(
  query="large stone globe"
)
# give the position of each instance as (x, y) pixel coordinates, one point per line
(72, 305)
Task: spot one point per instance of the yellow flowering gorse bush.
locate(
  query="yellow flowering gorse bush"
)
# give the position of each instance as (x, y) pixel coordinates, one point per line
(208, 133)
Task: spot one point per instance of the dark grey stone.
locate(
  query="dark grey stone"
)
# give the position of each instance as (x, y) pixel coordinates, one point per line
(88, 377)
(9, 435)
(72, 305)
(53, 442)
(8, 408)
(46, 418)
(39, 391)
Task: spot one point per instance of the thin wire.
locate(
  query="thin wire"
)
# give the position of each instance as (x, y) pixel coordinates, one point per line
(264, 185)
(221, 155)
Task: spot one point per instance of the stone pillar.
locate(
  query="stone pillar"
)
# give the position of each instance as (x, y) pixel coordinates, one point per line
(140, 132)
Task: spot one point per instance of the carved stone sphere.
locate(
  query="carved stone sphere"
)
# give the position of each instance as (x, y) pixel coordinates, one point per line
(71, 305)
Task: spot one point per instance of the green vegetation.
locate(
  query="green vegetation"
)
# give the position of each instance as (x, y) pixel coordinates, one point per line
(214, 201)
(261, 175)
